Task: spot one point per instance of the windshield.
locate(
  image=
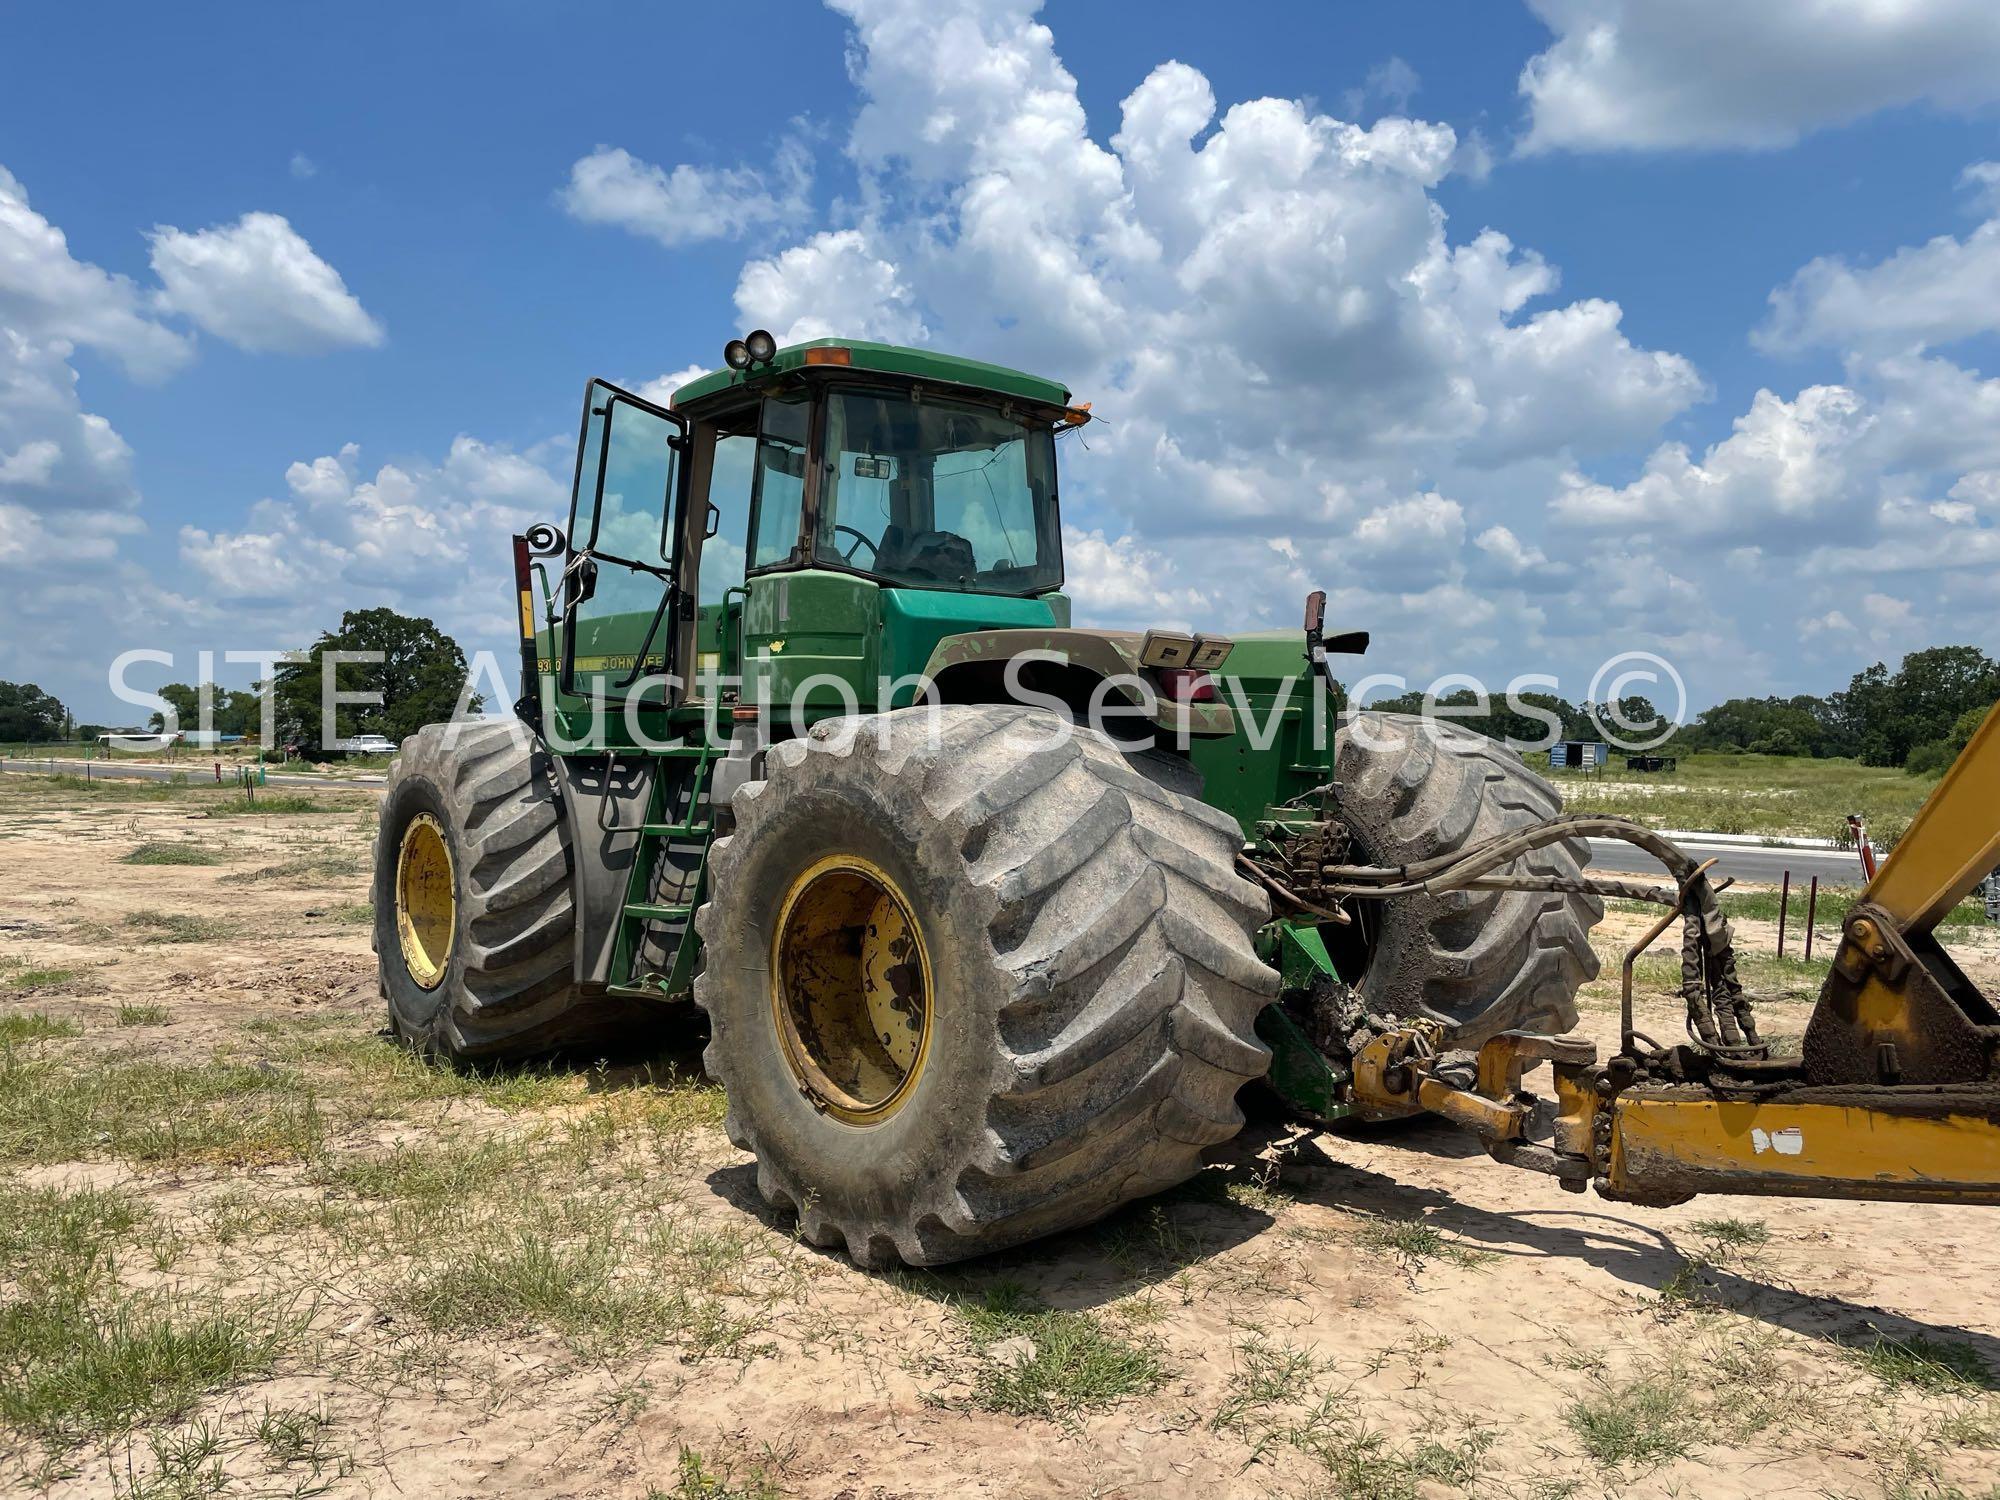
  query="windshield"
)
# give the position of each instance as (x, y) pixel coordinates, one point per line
(941, 494)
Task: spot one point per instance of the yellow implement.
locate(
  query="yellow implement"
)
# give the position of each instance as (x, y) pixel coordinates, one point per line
(1895, 1093)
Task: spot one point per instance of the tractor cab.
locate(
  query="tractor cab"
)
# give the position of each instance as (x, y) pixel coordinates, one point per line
(805, 524)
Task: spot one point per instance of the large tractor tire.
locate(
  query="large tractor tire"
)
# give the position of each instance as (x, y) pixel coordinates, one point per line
(972, 979)
(1479, 961)
(475, 931)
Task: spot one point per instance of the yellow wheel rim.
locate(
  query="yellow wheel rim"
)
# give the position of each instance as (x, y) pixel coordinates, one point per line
(851, 989)
(426, 901)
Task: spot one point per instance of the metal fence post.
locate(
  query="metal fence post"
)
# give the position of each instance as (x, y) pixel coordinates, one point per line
(1784, 910)
(1812, 915)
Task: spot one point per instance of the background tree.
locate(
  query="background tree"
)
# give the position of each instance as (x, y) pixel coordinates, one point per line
(31, 715)
(420, 678)
(1501, 721)
(1934, 756)
(231, 710)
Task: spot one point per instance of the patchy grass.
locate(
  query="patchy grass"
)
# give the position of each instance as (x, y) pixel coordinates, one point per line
(162, 853)
(1834, 904)
(80, 1356)
(1043, 1362)
(267, 804)
(1924, 1364)
(72, 1368)
(1732, 1234)
(695, 1480)
(392, 1076)
(1276, 1400)
(40, 979)
(1414, 1242)
(318, 867)
(100, 789)
(177, 927)
(350, 913)
(145, 1111)
(144, 1015)
(1268, 1375)
(296, 1435)
(589, 1287)
(35, 1027)
(1645, 1421)
(54, 1240)
(1764, 975)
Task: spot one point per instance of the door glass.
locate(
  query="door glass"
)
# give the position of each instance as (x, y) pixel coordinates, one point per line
(621, 549)
(781, 478)
(722, 555)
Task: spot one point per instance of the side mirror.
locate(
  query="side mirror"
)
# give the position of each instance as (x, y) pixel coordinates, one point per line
(1315, 611)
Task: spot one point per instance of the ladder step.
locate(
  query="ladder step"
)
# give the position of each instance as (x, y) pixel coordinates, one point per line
(677, 830)
(648, 912)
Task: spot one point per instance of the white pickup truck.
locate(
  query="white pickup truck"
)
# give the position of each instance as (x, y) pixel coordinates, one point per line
(365, 744)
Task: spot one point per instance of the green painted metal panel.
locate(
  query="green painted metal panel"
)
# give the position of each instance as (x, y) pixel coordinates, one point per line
(807, 624)
(887, 359)
(1283, 742)
(798, 625)
(915, 620)
(1300, 1074)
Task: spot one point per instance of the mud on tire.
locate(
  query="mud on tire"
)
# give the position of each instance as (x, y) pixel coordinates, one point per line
(1095, 987)
(1480, 961)
(508, 988)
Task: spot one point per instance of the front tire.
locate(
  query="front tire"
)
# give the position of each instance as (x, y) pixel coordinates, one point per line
(1063, 1029)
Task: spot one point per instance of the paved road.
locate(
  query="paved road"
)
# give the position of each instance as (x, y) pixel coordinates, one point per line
(1747, 862)
(194, 771)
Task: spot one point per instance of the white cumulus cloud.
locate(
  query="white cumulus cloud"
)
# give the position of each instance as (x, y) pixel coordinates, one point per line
(1945, 289)
(47, 295)
(1661, 74)
(258, 285)
(689, 203)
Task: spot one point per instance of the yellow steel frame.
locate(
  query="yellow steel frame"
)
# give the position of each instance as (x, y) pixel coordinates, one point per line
(1954, 842)
(1808, 1150)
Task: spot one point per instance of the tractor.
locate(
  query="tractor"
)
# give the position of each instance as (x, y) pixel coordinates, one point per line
(993, 918)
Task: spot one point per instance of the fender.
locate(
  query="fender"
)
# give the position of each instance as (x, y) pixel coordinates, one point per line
(972, 668)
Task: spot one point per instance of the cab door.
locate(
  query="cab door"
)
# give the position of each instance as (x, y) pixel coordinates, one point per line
(622, 603)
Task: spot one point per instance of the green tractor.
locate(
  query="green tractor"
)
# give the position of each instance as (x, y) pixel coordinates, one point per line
(992, 918)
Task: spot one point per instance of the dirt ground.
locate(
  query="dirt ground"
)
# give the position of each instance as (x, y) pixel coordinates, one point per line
(248, 1248)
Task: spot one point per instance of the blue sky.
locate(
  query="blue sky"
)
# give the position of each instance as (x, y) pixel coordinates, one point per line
(335, 279)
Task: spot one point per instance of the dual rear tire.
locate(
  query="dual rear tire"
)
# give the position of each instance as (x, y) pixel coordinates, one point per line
(475, 923)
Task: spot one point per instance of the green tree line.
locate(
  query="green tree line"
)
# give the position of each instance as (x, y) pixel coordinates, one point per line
(1919, 716)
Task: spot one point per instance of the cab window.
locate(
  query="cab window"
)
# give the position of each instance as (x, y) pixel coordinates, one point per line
(938, 494)
(780, 478)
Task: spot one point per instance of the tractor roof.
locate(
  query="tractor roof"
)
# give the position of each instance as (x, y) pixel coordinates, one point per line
(886, 359)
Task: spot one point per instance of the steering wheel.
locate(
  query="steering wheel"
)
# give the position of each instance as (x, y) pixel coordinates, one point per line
(861, 539)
